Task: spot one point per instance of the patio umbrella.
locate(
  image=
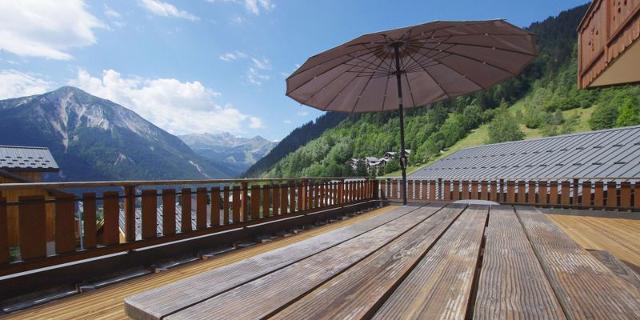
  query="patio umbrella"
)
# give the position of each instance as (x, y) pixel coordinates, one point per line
(410, 67)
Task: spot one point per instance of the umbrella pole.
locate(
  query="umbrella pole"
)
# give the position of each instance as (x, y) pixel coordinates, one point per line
(403, 157)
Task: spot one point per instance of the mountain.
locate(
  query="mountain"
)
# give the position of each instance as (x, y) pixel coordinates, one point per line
(297, 138)
(95, 139)
(235, 154)
(542, 101)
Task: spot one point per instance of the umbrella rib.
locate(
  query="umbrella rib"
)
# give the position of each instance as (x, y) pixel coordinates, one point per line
(366, 84)
(431, 76)
(490, 47)
(410, 91)
(476, 60)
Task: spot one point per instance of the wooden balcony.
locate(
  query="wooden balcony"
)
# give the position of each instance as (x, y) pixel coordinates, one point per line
(609, 50)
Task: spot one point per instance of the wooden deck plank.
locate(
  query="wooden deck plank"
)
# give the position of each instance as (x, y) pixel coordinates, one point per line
(355, 292)
(266, 295)
(585, 287)
(108, 302)
(168, 299)
(618, 267)
(439, 287)
(512, 284)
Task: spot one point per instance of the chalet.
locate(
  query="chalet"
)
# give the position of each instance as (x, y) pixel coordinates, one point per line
(20, 164)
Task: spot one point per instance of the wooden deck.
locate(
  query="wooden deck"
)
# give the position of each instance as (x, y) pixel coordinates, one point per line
(428, 262)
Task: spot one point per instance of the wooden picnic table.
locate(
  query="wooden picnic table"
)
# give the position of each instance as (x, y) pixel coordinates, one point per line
(416, 262)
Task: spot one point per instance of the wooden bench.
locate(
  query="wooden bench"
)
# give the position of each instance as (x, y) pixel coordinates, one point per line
(159, 302)
(585, 287)
(440, 285)
(355, 292)
(512, 284)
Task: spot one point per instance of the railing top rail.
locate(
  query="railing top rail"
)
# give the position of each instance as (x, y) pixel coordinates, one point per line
(513, 178)
(135, 183)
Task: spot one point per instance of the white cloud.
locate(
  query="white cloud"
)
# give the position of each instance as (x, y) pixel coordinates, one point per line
(165, 9)
(254, 76)
(232, 56)
(253, 6)
(46, 29)
(178, 107)
(18, 84)
(109, 12)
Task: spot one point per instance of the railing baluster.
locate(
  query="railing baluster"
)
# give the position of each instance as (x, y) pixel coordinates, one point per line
(511, 196)
(300, 198)
(625, 195)
(226, 206)
(186, 222)
(598, 195)
(168, 212)
(276, 199)
(284, 199)
(111, 210)
(235, 205)
(149, 214)
(446, 195)
(493, 193)
(89, 220)
(636, 195)
(292, 197)
(612, 196)
(565, 190)
(585, 201)
(65, 224)
(531, 192)
(255, 202)
(266, 201)
(484, 190)
(215, 206)
(33, 242)
(4, 232)
(130, 213)
(456, 190)
(201, 208)
(244, 201)
(474, 190)
(553, 193)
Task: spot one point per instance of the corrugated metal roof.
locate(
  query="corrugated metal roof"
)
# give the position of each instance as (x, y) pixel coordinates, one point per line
(18, 158)
(613, 153)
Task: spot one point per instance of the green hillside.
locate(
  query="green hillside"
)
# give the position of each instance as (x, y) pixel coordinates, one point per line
(542, 101)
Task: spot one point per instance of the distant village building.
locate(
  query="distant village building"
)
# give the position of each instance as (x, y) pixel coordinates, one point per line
(26, 164)
(374, 163)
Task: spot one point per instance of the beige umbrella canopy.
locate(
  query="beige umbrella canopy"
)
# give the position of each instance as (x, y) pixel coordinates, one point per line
(413, 66)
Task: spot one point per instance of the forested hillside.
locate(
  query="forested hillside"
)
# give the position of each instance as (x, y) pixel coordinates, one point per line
(542, 99)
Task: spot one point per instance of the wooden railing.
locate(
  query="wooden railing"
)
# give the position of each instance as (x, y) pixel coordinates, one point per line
(592, 193)
(98, 218)
(608, 28)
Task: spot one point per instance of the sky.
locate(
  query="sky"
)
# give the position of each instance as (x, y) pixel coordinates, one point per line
(196, 66)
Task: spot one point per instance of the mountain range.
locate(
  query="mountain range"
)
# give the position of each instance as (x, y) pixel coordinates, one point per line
(95, 139)
(235, 154)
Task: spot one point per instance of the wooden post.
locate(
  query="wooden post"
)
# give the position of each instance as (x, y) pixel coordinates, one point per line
(168, 212)
(284, 199)
(266, 201)
(185, 226)
(32, 221)
(65, 224)
(410, 189)
(625, 195)
(542, 193)
(576, 192)
(474, 190)
(276, 200)
(465, 190)
(236, 205)
(244, 202)
(149, 214)
(456, 190)
(521, 195)
(447, 191)
(565, 190)
(484, 190)
(4, 233)
(636, 195)
(111, 210)
(612, 196)
(201, 208)
(553, 193)
(130, 213)
(433, 194)
(585, 200)
(300, 197)
(493, 193)
(215, 206)
(292, 196)
(394, 189)
(383, 189)
(89, 220)
(531, 193)
(511, 196)
(305, 194)
(598, 195)
(255, 202)
(226, 206)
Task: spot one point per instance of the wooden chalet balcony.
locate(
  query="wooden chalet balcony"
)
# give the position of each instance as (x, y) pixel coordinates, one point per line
(463, 256)
(609, 50)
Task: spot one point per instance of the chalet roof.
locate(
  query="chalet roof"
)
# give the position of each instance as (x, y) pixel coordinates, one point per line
(613, 153)
(19, 158)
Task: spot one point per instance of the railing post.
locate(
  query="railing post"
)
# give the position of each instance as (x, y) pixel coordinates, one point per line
(553, 193)
(542, 193)
(149, 214)
(532, 193)
(185, 225)
(484, 190)
(612, 195)
(625, 195)
(111, 210)
(65, 228)
(511, 192)
(215, 206)
(493, 193)
(522, 195)
(275, 203)
(439, 195)
(474, 190)
(201, 208)
(598, 195)
(225, 205)
(4, 232)
(255, 202)
(168, 212)
(236, 206)
(130, 213)
(636, 195)
(565, 187)
(33, 242)
(244, 201)
(266, 201)
(89, 220)
(585, 201)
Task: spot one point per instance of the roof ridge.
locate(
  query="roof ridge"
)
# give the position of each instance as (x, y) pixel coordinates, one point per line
(23, 147)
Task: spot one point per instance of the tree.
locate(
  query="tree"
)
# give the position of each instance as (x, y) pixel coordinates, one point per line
(504, 127)
(604, 116)
(628, 113)
(361, 168)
